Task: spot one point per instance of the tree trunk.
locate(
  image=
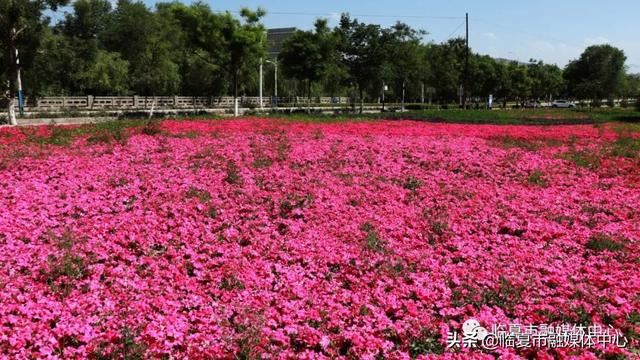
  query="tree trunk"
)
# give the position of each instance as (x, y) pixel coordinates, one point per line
(403, 83)
(12, 111)
(235, 94)
(308, 96)
(12, 80)
(361, 99)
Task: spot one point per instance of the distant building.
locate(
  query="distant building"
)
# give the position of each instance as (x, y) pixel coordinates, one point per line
(275, 39)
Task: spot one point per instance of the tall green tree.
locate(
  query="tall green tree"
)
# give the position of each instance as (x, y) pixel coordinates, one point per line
(362, 53)
(597, 74)
(232, 45)
(21, 28)
(308, 55)
(520, 81)
(403, 56)
(446, 62)
(546, 79)
(143, 39)
(107, 74)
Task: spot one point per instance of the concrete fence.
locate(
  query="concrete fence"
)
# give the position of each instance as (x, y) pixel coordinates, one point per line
(165, 102)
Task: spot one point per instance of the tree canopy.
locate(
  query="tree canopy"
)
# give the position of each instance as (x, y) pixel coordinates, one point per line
(173, 48)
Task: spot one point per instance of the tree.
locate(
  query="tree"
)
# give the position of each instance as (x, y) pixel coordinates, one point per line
(519, 80)
(106, 75)
(223, 41)
(483, 76)
(362, 53)
(243, 43)
(597, 74)
(402, 55)
(307, 55)
(546, 79)
(143, 39)
(21, 26)
(52, 70)
(446, 62)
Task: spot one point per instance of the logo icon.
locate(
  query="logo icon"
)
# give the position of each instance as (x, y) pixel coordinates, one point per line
(471, 329)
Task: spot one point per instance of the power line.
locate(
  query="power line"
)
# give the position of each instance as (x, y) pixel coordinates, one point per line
(456, 30)
(356, 15)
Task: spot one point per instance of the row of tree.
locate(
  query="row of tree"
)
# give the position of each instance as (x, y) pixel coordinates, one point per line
(366, 57)
(193, 50)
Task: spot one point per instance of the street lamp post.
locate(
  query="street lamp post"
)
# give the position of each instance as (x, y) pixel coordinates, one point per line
(275, 88)
(260, 95)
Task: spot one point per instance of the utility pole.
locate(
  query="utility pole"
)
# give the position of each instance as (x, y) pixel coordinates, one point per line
(260, 96)
(466, 64)
(275, 89)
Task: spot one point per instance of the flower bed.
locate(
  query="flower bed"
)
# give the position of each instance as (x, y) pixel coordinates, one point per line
(271, 239)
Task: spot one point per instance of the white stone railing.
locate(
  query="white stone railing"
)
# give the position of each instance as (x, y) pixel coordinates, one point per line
(166, 102)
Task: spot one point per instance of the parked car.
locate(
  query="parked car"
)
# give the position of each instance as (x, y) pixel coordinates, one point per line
(562, 104)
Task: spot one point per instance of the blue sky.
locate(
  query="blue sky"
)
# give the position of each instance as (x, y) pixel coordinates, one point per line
(554, 31)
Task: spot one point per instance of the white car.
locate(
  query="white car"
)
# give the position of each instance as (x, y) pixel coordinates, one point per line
(562, 104)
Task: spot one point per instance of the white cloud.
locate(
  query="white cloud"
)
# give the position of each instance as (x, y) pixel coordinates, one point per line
(490, 35)
(551, 52)
(598, 40)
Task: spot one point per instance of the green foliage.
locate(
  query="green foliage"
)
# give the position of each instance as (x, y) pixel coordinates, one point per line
(193, 50)
(546, 79)
(626, 146)
(108, 74)
(412, 183)
(597, 74)
(231, 283)
(427, 342)
(126, 348)
(372, 239)
(602, 242)
(536, 177)
(233, 175)
(202, 195)
(308, 55)
(144, 39)
(583, 158)
(362, 51)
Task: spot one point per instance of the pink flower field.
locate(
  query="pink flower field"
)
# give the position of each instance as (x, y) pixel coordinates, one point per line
(273, 239)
